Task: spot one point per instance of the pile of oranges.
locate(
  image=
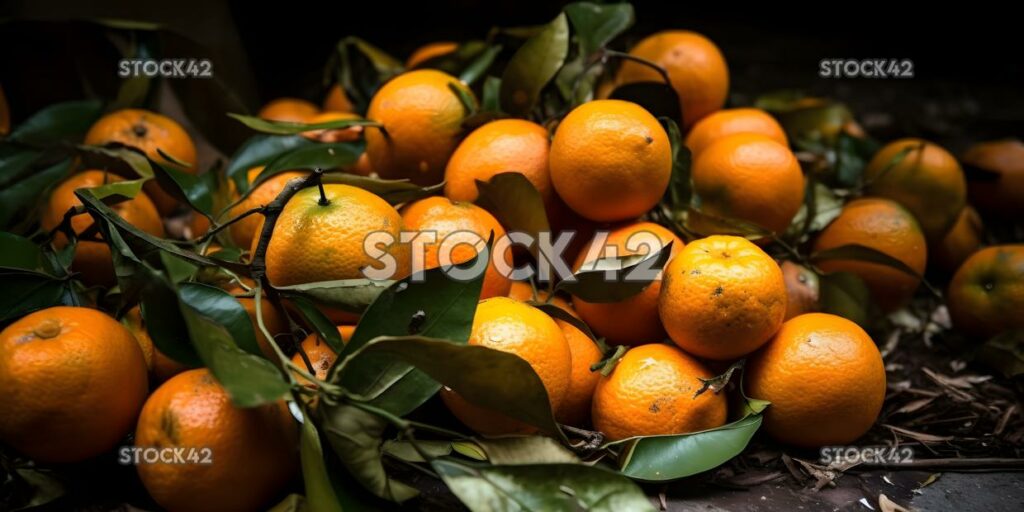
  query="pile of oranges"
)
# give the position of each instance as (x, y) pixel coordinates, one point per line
(604, 166)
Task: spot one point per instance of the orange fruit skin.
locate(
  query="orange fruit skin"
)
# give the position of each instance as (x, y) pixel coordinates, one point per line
(521, 290)
(292, 110)
(610, 160)
(885, 226)
(512, 326)
(422, 118)
(337, 100)
(722, 297)
(73, 382)
(635, 320)
(730, 122)
(1005, 195)
(149, 132)
(320, 354)
(457, 222)
(651, 392)
(966, 237)
(246, 230)
(928, 183)
(824, 377)
(429, 51)
(313, 243)
(695, 67)
(751, 177)
(92, 259)
(349, 134)
(252, 451)
(986, 295)
(802, 289)
(505, 145)
(575, 408)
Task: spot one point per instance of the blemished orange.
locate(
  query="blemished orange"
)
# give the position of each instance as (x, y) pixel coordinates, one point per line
(610, 160)
(515, 327)
(632, 321)
(651, 392)
(337, 100)
(802, 289)
(244, 231)
(313, 242)
(928, 182)
(422, 122)
(461, 228)
(349, 134)
(73, 382)
(730, 122)
(151, 133)
(695, 67)
(722, 297)
(575, 408)
(887, 227)
(292, 110)
(963, 239)
(986, 295)
(522, 290)
(750, 177)
(1003, 195)
(92, 258)
(824, 377)
(252, 452)
(321, 356)
(505, 145)
(429, 51)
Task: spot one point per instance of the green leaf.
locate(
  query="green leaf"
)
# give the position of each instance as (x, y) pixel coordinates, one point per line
(20, 253)
(352, 295)
(224, 309)
(516, 204)
(392, 191)
(405, 450)
(18, 197)
(178, 270)
(706, 224)
(164, 322)
(558, 313)
(356, 437)
(323, 326)
(857, 252)
(472, 72)
(58, 122)
(116, 158)
(194, 189)
(319, 491)
(26, 291)
(779, 101)
(318, 156)
(26, 488)
(526, 450)
(615, 279)
(548, 487)
(533, 66)
(491, 94)
(664, 458)
(680, 185)
(490, 378)
(846, 295)
(360, 68)
(15, 162)
(1005, 353)
(290, 128)
(466, 98)
(118, 191)
(260, 150)
(596, 25)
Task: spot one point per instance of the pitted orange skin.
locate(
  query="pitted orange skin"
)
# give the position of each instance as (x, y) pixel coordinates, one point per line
(986, 295)
(732, 121)
(575, 408)
(320, 354)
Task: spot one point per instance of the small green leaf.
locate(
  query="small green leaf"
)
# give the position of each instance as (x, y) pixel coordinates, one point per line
(21, 196)
(290, 128)
(315, 318)
(223, 308)
(195, 190)
(352, 295)
(491, 94)
(526, 450)
(615, 279)
(319, 491)
(26, 291)
(20, 253)
(680, 186)
(405, 450)
(116, 158)
(846, 295)
(533, 66)
(260, 150)
(596, 25)
(118, 191)
(319, 156)
(393, 191)
(58, 122)
(472, 72)
(516, 204)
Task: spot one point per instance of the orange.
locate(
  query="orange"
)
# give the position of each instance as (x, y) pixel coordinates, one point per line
(1005, 195)
(333, 135)
(695, 67)
(462, 228)
(312, 242)
(824, 377)
(575, 409)
(92, 259)
(751, 177)
(651, 392)
(273, 319)
(422, 118)
(506, 145)
(730, 122)
(521, 290)
(966, 237)
(362, 166)
(801, 289)
(160, 366)
(73, 382)
(429, 51)
(512, 326)
(291, 110)
(722, 297)
(151, 133)
(610, 160)
(633, 321)
(887, 227)
(986, 295)
(243, 458)
(245, 231)
(337, 100)
(928, 182)
(320, 354)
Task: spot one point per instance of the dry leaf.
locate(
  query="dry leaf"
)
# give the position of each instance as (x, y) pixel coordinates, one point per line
(887, 505)
(920, 437)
